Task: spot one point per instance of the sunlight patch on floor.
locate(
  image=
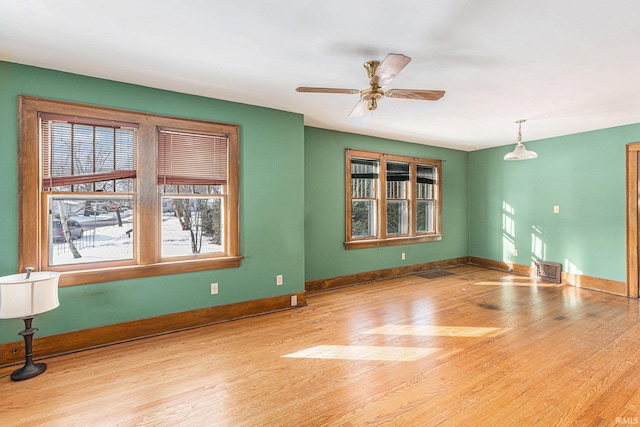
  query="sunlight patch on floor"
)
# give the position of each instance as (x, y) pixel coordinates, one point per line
(436, 331)
(363, 352)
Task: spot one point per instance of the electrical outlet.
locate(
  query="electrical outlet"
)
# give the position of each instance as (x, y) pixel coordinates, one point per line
(515, 252)
(403, 256)
(279, 279)
(214, 289)
(294, 300)
(556, 209)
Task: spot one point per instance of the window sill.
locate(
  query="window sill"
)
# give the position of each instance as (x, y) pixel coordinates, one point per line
(82, 277)
(377, 243)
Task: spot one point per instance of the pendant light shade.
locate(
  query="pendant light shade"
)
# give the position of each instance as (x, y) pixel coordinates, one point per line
(520, 152)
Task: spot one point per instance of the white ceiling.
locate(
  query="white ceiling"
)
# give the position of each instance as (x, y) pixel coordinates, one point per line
(566, 66)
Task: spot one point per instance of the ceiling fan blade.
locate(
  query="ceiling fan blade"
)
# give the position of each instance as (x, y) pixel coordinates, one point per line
(389, 69)
(326, 90)
(423, 95)
(360, 109)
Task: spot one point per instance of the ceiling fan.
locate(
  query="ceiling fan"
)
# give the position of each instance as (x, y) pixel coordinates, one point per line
(380, 74)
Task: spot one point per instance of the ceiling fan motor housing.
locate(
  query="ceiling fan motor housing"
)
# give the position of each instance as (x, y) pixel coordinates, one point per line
(372, 95)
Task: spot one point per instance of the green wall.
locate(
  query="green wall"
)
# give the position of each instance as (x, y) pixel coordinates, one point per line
(271, 204)
(325, 255)
(511, 203)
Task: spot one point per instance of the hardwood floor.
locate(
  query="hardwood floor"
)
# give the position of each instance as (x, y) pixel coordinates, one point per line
(476, 348)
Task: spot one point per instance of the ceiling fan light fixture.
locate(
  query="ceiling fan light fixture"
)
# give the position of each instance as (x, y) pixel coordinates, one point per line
(520, 152)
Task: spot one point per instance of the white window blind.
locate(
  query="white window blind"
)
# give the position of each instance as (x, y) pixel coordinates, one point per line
(187, 158)
(78, 153)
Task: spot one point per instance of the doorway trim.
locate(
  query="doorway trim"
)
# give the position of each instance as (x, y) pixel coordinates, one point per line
(633, 199)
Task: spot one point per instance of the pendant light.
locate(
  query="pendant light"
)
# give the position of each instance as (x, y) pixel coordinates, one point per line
(520, 152)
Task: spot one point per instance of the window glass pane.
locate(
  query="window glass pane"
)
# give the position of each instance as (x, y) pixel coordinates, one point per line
(191, 226)
(124, 185)
(362, 188)
(125, 144)
(61, 189)
(61, 148)
(425, 181)
(98, 229)
(192, 189)
(82, 155)
(397, 189)
(169, 189)
(363, 218)
(103, 150)
(397, 171)
(424, 191)
(425, 216)
(114, 185)
(364, 175)
(426, 174)
(396, 217)
(364, 168)
(364, 179)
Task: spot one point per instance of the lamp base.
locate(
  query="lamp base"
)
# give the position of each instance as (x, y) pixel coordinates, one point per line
(29, 370)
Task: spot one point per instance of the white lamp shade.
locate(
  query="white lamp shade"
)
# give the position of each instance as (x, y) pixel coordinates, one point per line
(520, 153)
(22, 297)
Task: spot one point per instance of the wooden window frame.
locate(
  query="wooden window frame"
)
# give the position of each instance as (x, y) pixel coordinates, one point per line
(32, 222)
(381, 239)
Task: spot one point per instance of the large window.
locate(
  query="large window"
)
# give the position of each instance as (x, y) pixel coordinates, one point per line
(110, 194)
(391, 199)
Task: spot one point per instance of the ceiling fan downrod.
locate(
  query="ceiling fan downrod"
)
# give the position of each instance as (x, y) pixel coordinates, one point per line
(371, 67)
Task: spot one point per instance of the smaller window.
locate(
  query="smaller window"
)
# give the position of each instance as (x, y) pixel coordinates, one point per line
(399, 205)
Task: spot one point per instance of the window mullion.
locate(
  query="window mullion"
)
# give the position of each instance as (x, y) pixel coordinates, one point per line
(382, 197)
(412, 199)
(148, 225)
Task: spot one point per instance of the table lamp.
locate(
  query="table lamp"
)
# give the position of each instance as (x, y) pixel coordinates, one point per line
(23, 296)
